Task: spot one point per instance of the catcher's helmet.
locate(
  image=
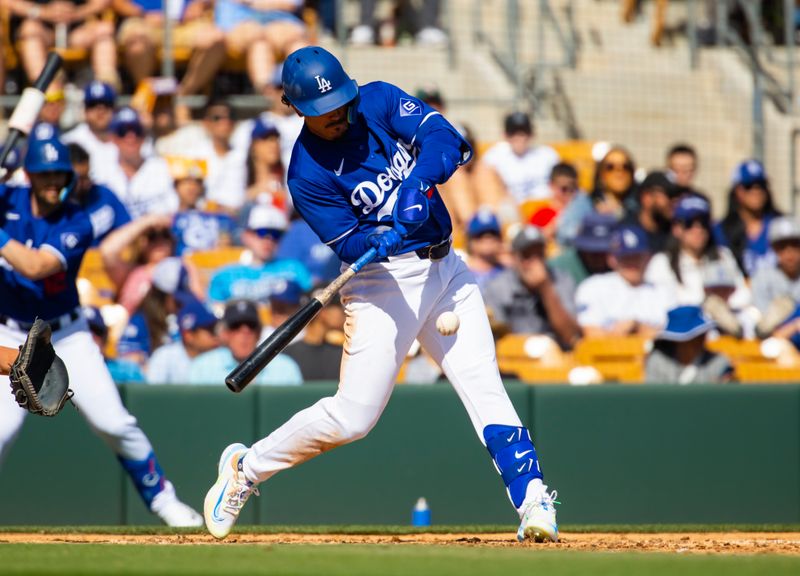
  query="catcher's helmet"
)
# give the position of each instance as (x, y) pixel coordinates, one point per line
(315, 83)
(47, 156)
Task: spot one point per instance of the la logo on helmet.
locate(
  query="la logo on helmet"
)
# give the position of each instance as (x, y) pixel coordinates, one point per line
(50, 153)
(323, 84)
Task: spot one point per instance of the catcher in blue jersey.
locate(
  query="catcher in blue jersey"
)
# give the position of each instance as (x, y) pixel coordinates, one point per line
(363, 175)
(43, 239)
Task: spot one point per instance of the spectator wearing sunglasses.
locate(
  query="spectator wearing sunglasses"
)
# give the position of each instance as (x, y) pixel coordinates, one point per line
(143, 183)
(241, 328)
(614, 183)
(681, 268)
(750, 210)
(570, 203)
(260, 272)
(94, 133)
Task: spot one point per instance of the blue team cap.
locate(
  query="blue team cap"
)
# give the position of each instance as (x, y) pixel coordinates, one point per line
(595, 233)
(691, 207)
(47, 156)
(685, 323)
(125, 120)
(484, 222)
(629, 240)
(287, 292)
(171, 277)
(44, 131)
(194, 315)
(748, 173)
(97, 92)
(315, 83)
(263, 129)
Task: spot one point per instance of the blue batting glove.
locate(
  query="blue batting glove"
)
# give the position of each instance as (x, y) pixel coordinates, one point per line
(411, 208)
(387, 241)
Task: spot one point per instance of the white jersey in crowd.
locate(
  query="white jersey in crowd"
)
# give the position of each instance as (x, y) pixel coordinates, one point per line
(690, 291)
(605, 299)
(100, 153)
(525, 177)
(150, 191)
(227, 175)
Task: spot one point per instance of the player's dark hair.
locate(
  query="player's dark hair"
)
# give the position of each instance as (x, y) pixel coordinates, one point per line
(682, 148)
(733, 226)
(563, 169)
(673, 251)
(77, 154)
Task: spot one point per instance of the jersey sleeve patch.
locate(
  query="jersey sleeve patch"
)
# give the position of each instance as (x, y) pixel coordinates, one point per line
(410, 107)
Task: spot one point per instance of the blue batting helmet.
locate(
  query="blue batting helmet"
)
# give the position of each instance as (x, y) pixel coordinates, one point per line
(315, 83)
(47, 156)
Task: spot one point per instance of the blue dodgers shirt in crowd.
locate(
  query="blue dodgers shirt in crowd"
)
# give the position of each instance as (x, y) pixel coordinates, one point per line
(301, 243)
(256, 282)
(212, 368)
(66, 234)
(196, 230)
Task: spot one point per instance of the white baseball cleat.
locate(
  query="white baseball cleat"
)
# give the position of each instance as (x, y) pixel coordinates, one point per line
(539, 518)
(180, 515)
(172, 511)
(229, 493)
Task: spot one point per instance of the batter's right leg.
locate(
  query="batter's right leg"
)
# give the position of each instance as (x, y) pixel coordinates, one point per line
(377, 338)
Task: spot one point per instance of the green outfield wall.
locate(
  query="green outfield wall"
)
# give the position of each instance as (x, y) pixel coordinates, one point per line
(616, 454)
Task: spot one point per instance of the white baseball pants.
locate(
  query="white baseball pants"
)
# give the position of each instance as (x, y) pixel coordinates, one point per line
(96, 396)
(387, 306)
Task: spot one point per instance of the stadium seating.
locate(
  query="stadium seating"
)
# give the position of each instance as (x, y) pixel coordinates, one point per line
(618, 359)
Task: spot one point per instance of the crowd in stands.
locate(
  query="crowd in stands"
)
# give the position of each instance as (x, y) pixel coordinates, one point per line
(558, 251)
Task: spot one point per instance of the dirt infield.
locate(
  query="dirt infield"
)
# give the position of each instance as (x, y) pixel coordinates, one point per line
(702, 543)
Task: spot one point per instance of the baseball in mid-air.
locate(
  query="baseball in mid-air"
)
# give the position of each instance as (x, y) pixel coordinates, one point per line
(447, 323)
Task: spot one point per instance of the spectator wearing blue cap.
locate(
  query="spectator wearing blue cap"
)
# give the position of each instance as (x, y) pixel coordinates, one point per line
(679, 354)
(680, 268)
(484, 247)
(142, 183)
(94, 134)
(530, 298)
(106, 211)
(589, 251)
(746, 224)
(171, 363)
(285, 298)
(121, 370)
(621, 302)
(266, 181)
(239, 335)
(263, 271)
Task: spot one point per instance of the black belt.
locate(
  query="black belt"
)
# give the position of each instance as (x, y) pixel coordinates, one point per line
(55, 324)
(434, 251)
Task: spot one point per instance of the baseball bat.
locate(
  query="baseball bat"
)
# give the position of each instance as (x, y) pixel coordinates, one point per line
(29, 105)
(244, 373)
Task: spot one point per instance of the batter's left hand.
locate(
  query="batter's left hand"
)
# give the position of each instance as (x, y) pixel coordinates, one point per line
(411, 208)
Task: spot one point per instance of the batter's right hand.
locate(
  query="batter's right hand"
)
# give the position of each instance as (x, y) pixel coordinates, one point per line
(387, 241)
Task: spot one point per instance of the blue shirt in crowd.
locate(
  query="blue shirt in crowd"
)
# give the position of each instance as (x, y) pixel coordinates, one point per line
(212, 368)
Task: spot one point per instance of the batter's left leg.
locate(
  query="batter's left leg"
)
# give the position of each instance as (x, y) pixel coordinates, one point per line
(468, 360)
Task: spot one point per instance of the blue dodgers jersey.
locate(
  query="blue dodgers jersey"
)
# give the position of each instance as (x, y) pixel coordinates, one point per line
(350, 185)
(257, 282)
(106, 212)
(67, 234)
(196, 230)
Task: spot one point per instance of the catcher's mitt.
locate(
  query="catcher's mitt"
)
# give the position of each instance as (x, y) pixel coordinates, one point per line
(39, 379)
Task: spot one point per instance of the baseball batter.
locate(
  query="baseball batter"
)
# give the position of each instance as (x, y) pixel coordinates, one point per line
(42, 242)
(363, 174)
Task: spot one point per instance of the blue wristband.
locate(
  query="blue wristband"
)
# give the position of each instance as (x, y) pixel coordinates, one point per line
(4, 238)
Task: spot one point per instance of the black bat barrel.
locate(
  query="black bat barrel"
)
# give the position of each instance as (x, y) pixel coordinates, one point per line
(244, 373)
